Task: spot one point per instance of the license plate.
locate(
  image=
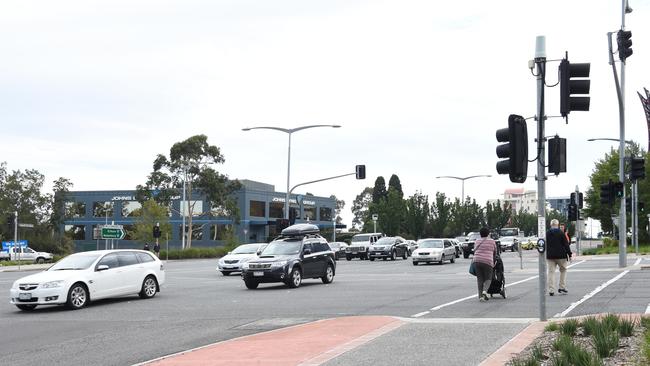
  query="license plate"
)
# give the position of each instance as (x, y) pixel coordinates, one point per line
(258, 273)
(25, 296)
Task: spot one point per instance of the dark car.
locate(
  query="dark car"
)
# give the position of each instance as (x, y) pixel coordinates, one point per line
(300, 252)
(338, 248)
(389, 247)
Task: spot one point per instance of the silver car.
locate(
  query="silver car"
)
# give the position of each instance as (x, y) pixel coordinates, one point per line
(233, 261)
(434, 250)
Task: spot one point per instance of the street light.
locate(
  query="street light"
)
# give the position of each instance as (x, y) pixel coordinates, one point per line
(463, 179)
(288, 131)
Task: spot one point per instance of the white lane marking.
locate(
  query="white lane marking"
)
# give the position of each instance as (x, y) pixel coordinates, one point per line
(471, 320)
(638, 261)
(647, 310)
(590, 295)
(420, 314)
(507, 285)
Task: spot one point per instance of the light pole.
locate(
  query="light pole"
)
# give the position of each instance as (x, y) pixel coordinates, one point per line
(288, 131)
(463, 179)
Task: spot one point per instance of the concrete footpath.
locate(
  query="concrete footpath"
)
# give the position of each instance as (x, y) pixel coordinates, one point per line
(371, 340)
(26, 268)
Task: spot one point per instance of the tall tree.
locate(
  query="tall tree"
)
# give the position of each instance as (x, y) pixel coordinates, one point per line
(395, 183)
(526, 222)
(392, 212)
(360, 207)
(340, 204)
(417, 214)
(151, 213)
(440, 215)
(379, 191)
(497, 214)
(193, 161)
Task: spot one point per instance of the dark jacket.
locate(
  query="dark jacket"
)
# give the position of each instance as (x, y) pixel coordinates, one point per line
(557, 247)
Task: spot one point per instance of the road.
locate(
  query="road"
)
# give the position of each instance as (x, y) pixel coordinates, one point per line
(198, 306)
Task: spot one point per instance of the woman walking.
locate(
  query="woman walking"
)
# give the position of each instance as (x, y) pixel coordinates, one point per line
(485, 249)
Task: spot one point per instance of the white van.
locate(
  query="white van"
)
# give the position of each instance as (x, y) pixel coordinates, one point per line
(359, 245)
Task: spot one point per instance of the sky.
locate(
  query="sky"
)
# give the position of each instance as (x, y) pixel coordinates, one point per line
(94, 90)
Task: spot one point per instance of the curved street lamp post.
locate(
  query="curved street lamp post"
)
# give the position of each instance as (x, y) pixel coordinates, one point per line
(463, 179)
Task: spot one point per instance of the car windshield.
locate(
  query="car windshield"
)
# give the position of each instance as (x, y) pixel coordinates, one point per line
(508, 232)
(461, 238)
(282, 248)
(358, 238)
(430, 244)
(72, 262)
(246, 249)
(384, 241)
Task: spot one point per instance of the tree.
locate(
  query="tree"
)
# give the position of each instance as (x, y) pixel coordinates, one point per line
(417, 214)
(526, 222)
(395, 183)
(465, 217)
(192, 161)
(150, 214)
(340, 204)
(392, 212)
(440, 215)
(360, 207)
(379, 191)
(498, 215)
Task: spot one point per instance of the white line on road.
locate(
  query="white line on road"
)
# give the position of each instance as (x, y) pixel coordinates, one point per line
(638, 261)
(471, 320)
(590, 295)
(647, 310)
(420, 314)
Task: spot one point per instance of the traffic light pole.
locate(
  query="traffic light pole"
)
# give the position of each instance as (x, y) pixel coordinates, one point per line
(577, 225)
(20, 249)
(540, 61)
(635, 216)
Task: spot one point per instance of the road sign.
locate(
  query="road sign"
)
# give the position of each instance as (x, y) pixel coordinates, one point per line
(10, 244)
(113, 232)
(25, 225)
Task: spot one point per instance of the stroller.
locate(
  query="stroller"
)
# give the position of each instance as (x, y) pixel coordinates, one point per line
(498, 285)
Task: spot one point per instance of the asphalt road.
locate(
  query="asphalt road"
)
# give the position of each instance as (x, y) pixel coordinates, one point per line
(199, 306)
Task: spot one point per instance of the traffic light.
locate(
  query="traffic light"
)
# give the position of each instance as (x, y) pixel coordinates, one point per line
(619, 189)
(628, 204)
(624, 40)
(606, 193)
(569, 86)
(515, 149)
(10, 222)
(580, 201)
(360, 171)
(640, 206)
(637, 168)
(572, 212)
(557, 155)
(156, 231)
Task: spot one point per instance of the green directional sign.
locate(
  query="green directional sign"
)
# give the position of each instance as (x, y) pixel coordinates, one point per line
(113, 232)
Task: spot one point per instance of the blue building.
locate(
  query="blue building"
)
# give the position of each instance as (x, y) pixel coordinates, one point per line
(259, 205)
(560, 204)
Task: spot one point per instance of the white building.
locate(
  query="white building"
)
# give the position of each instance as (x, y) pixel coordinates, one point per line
(519, 199)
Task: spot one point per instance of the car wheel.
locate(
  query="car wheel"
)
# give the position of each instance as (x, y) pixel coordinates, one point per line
(149, 287)
(405, 255)
(250, 284)
(295, 278)
(453, 259)
(465, 255)
(415, 263)
(384, 258)
(40, 260)
(77, 296)
(225, 273)
(442, 259)
(328, 277)
(458, 254)
(503, 292)
(348, 257)
(372, 259)
(393, 255)
(26, 307)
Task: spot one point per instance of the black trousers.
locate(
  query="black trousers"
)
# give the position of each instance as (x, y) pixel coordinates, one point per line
(483, 276)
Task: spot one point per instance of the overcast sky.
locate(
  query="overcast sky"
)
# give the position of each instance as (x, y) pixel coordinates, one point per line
(93, 90)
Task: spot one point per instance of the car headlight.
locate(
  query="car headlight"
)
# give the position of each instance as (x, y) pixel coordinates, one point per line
(52, 284)
(278, 264)
(221, 261)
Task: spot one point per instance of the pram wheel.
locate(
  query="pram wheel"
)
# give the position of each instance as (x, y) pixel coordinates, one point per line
(503, 293)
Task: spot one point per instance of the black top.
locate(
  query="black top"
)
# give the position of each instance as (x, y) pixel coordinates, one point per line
(557, 246)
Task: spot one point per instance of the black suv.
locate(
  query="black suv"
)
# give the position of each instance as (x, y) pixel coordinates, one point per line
(300, 252)
(389, 247)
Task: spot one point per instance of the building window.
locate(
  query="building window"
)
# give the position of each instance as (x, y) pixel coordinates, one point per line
(276, 210)
(75, 232)
(310, 213)
(131, 209)
(220, 231)
(325, 214)
(195, 206)
(257, 208)
(75, 209)
(103, 209)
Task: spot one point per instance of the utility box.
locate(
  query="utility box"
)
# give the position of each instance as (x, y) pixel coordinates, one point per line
(557, 155)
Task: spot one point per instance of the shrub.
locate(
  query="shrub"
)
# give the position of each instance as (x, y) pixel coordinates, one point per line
(645, 322)
(538, 353)
(530, 361)
(569, 327)
(551, 327)
(626, 327)
(194, 253)
(646, 343)
(559, 359)
(589, 324)
(563, 344)
(605, 341)
(610, 322)
(609, 242)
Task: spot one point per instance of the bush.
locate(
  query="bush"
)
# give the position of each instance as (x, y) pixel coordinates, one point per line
(195, 253)
(569, 327)
(530, 361)
(626, 327)
(645, 322)
(609, 242)
(589, 324)
(610, 322)
(551, 327)
(605, 341)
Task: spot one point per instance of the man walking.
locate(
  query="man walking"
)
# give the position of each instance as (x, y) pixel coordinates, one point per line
(558, 252)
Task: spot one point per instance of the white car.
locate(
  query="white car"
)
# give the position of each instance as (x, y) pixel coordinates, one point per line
(434, 250)
(81, 277)
(233, 261)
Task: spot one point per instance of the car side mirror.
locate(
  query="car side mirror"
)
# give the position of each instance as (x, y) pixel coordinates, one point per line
(102, 267)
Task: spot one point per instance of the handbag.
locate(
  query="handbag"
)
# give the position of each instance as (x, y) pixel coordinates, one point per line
(472, 266)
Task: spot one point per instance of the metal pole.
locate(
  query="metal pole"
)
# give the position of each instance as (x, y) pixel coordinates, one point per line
(463, 192)
(375, 225)
(20, 249)
(577, 226)
(540, 61)
(635, 216)
(183, 208)
(286, 200)
(167, 253)
(622, 230)
(334, 230)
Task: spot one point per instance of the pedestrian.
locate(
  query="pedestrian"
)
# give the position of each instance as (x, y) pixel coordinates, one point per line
(485, 249)
(566, 233)
(156, 249)
(146, 246)
(558, 253)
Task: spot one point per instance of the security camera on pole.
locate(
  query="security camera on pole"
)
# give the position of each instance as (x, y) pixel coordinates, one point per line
(375, 217)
